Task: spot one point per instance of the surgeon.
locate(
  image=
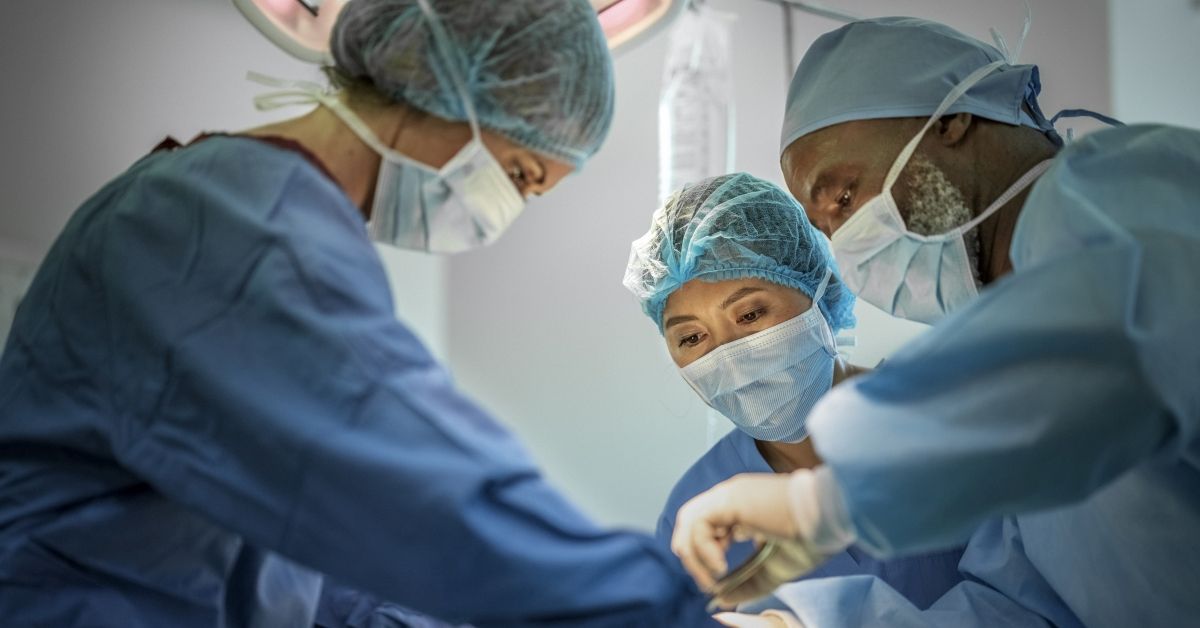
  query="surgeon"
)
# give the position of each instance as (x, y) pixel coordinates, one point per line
(1051, 415)
(208, 407)
(747, 298)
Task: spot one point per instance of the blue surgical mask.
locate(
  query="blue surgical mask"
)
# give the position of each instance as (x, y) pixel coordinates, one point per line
(767, 383)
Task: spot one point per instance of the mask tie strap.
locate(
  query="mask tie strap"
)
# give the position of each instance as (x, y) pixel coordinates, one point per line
(441, 40)
(956, 93)
(1083, 113)
(819, 293)
(1013, 55)
(1086, 113)
(1025, 181)
(291, 94)
(297, 93)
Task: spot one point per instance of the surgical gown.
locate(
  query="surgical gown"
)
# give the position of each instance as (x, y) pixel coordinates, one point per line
(921, 579)
(1054, 420)
(206, 403)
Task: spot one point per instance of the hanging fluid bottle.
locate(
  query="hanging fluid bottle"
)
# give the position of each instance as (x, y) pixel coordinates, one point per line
(695, 111)
(695, 117)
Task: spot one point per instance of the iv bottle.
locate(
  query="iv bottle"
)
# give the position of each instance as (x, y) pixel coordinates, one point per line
(696, 107)
(695, 118)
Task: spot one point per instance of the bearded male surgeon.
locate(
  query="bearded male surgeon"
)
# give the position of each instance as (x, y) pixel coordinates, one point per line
(1050, 416)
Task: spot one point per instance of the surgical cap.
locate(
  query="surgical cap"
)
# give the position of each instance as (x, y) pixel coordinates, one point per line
(896, 67)
(538, 71)
(731, 227)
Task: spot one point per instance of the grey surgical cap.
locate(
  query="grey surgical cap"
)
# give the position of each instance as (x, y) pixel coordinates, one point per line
(538, 71)
(897, 67)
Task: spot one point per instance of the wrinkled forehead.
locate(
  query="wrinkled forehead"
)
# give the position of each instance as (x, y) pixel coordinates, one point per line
(863, 142)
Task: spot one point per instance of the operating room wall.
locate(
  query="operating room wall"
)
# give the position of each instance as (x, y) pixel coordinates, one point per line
(92, 86)
(1155, 55)
(541, 330)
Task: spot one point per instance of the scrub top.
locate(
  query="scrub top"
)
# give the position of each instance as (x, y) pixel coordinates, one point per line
(207, 404)
(921, 579)
(1055, 421)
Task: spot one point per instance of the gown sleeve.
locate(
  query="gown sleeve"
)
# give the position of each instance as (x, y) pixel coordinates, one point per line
(261, 377)
(345, 607)
(1058, 378)
(1002, 589)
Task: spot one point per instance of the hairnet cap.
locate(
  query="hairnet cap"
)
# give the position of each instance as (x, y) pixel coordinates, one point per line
(895, 67)
(538, 71)
(731, 227)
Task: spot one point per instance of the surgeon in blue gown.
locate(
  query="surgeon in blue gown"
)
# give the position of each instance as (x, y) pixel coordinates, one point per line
(208, 407)
(729, 261)
(1050, 417)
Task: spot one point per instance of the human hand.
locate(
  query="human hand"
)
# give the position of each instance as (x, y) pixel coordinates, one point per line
(744, 620)
(744, 506)
(778, 562)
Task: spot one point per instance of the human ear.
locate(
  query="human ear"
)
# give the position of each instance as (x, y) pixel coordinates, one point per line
(952, 130)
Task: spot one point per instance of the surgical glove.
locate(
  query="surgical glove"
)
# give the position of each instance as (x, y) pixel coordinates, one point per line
(802, 514)
(769, 619)
(779, 562)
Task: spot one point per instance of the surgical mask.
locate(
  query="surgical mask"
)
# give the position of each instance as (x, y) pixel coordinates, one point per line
(463, 205)
(910, 275)
(767, 383)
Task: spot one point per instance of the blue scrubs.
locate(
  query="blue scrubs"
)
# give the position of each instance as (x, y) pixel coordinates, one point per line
(1055, 420)
(206, 403)
(922, 579)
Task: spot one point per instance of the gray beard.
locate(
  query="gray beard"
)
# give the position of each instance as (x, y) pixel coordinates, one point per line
(935, 206)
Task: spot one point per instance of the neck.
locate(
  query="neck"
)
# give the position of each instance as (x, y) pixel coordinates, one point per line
(996, 232)
(788, 457)
(353, 164)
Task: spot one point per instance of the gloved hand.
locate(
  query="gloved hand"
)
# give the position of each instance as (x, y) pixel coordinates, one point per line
(781, 562)
(771, 619)
(801, 515)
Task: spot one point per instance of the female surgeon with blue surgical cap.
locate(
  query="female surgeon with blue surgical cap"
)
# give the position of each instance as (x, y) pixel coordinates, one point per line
(208, 407)
(747, 297)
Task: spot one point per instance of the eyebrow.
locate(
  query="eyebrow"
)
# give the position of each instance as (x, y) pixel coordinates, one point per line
(733, 298)
(675, 320)
(730, 300)
(818, 186)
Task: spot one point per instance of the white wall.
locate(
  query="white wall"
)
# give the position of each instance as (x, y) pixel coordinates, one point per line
(92, 86)
(541, 329)
(1156, 60)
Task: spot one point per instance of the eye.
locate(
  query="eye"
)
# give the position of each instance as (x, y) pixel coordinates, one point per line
(752, 316)
(843, 200)
(690, 341)
(517, 174)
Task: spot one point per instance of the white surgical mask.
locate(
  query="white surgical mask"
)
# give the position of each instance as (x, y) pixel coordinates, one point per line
(463, 205)
(909, 275)
(767, 382)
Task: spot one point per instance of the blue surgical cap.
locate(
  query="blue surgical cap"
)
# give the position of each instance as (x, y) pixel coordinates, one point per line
(731, 227)
(897, 67)
(538, 71)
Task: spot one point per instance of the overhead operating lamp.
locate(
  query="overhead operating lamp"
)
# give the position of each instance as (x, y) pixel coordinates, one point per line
(300, 27)
(626, 22)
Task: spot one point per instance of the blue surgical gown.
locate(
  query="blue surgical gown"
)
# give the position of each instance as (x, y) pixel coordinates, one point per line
(1054, 421)
(207, 403)
(921, 579)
